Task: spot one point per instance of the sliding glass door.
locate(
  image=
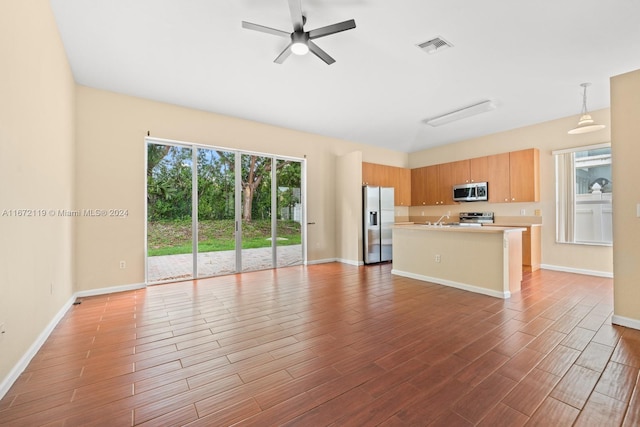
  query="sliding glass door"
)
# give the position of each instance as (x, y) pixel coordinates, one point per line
(289, 213)
(213, 211)
(257, 233)
(216, 212)
(169, 213)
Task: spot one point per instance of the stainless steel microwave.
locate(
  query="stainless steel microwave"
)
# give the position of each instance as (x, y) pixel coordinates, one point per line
(472, 192)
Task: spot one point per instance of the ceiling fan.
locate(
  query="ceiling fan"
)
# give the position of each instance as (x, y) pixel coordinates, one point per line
(301, 40)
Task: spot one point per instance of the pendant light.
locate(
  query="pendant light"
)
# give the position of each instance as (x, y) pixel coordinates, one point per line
(586, 123)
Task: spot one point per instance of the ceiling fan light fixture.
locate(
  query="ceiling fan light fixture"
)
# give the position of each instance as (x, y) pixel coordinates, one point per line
(301, 40)
(299, 44)
(585, 123)
(299, 48)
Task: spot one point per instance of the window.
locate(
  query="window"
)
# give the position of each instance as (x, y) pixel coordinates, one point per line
(584, 195)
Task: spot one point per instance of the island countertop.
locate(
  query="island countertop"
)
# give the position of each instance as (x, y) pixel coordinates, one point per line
(461, 228)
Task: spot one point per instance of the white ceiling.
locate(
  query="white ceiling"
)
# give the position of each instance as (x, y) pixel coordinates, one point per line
(529, 57)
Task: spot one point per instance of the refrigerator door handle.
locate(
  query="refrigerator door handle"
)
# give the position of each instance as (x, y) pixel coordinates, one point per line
(373, 218)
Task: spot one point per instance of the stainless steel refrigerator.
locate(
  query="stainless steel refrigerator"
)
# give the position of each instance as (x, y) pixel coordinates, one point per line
(378, 219)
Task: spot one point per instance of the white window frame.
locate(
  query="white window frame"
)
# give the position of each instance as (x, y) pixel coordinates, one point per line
(565, 181)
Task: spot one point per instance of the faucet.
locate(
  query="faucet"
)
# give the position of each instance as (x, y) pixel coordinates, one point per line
(439, 221)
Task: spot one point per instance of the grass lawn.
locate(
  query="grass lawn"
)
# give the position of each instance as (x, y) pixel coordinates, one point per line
(174, 237)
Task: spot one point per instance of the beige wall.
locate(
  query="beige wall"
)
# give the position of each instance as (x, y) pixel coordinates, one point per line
(349, 208)
(110, 156)
(547, 136)
(625, 111)
(36, 172)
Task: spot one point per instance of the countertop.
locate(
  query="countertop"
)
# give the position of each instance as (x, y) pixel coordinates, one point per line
(454, 228)
(499, 224)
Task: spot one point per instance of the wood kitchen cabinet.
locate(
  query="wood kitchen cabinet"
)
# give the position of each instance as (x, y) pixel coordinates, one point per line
(432, 185)
(373, 174)
(524, 174)
(403, 187)
(419, 186)
(432, 190)
(470, 170)
(460, 173)
(448, 176)
(425, 189)
(498, 178)
(389, 176)
(479, 169)
(514, 177)
(531, 248)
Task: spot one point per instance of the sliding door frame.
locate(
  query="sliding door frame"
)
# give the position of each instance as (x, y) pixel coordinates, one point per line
(237, 200)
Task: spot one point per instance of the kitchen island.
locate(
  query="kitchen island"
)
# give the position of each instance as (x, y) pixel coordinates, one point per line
(486, 260)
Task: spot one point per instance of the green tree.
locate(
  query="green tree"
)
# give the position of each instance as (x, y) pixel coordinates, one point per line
(169, 182)
(256, 171)
(289, 184)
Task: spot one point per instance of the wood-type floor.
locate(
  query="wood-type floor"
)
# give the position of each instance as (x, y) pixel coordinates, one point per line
(338, 345)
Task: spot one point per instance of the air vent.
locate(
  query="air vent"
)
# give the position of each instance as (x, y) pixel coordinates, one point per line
(434, 45)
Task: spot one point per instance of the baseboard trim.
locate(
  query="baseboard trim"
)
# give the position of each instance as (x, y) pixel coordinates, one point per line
(350, 262)
(110, 290)
(321, 261)
(625, 321)
(452, 284)
(577, 270)
(24, 361)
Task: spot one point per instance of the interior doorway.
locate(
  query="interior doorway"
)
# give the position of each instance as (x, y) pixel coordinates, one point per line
(214, 211)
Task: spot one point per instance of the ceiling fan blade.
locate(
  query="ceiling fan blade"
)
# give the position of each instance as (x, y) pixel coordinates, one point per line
(263, 29)
(295, 7)
(315, 49)
(332, 29)
(283, 55)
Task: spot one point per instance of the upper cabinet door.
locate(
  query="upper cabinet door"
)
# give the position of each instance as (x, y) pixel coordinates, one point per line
(403, 187)
(371, 174)
(459, 174)
(447, 178)
(479, 169)
(524, 171)
(418, 186)
(432, 185)
(498, 178)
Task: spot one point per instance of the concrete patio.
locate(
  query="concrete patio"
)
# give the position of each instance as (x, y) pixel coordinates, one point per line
(168, 268)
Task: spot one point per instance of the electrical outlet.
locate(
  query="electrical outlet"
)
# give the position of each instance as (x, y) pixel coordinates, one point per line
(537, 212)
(123, 264)
(423, 211)
(437, 259)
(523, 212)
